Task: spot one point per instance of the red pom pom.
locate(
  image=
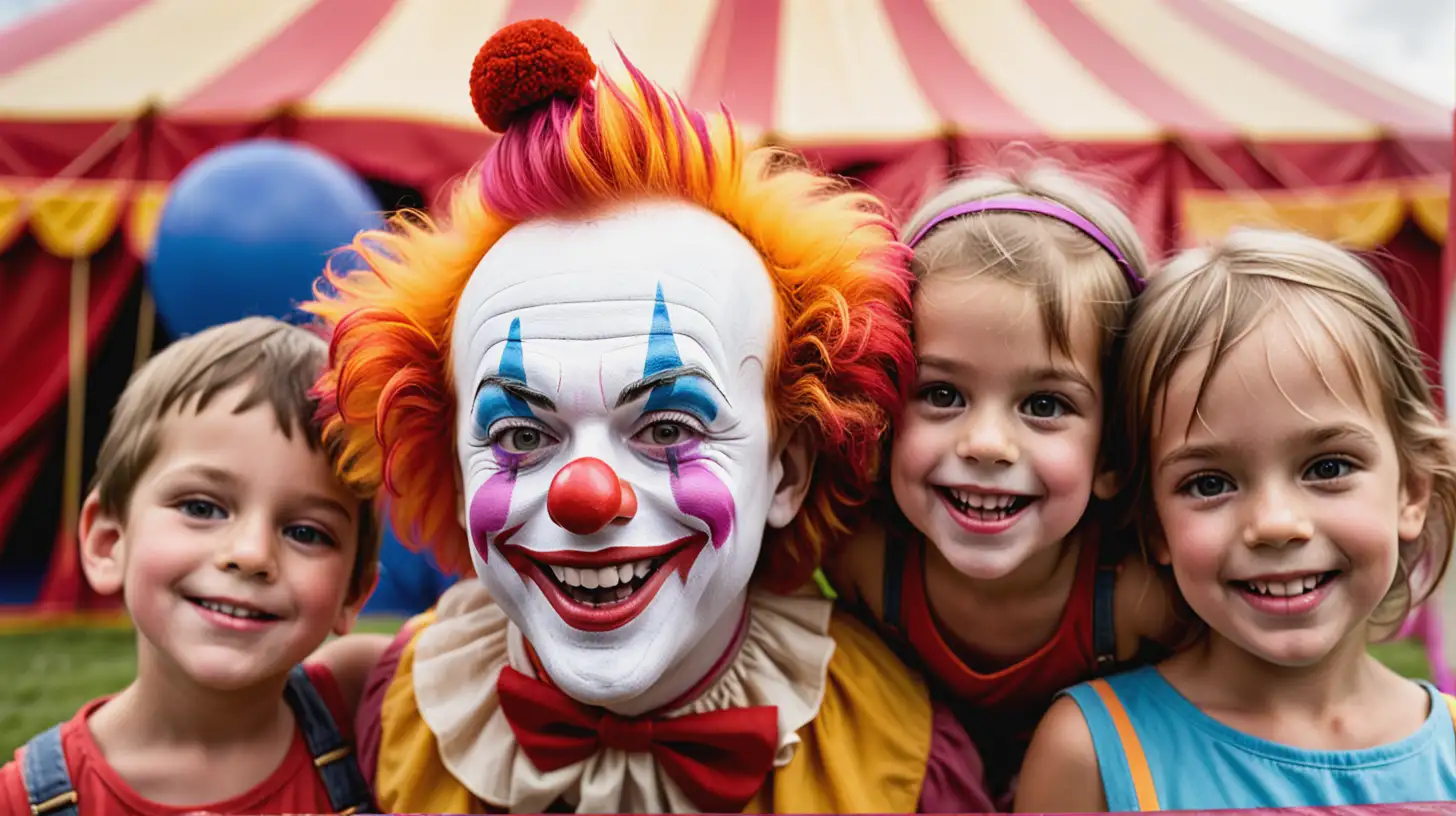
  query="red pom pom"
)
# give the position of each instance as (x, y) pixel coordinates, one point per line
(523, 65)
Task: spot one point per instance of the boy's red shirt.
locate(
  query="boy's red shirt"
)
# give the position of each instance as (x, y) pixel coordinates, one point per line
(294, 787)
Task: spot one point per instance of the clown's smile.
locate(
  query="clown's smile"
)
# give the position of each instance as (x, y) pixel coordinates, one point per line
(613, 433)
(600, 591)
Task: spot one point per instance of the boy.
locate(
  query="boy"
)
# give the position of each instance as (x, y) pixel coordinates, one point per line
(217, 514)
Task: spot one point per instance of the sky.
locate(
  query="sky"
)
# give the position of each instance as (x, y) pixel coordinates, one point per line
(1409, 42)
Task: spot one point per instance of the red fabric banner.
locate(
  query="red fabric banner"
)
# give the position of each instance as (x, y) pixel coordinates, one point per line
(34, 354)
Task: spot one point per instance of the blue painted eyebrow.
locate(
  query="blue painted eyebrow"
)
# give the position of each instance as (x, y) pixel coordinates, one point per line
(673, 385)
(689, 394)
(506, 393)
(685, 388)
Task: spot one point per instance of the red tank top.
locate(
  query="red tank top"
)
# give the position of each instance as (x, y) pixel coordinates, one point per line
(1000, 709)
(1070, 656)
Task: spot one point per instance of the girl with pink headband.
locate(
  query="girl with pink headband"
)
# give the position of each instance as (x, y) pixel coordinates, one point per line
(1000, 570)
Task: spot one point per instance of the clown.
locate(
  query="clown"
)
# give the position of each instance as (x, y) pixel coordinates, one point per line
(635, 383)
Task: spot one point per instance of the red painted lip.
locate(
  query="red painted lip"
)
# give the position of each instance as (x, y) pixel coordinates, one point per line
(535, 566)
(610, 557)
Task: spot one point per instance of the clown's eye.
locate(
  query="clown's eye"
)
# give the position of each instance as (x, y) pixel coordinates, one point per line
(666, 430)
(522, 440)
(662, 433)
(515, 436)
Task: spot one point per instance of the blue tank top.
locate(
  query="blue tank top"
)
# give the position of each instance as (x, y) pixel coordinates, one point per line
(1156, 750)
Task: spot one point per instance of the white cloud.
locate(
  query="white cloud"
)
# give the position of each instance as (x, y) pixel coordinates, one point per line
(1411, 43)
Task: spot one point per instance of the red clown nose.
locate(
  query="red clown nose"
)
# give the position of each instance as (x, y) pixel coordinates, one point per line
(587, 495)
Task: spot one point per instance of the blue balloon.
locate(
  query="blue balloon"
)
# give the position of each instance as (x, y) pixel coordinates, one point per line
(409, 582)
(247, 229)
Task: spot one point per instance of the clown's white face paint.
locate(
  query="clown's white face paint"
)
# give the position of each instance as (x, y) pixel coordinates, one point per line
(639, 339)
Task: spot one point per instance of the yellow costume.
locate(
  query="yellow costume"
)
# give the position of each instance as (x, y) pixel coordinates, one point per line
(858, 730)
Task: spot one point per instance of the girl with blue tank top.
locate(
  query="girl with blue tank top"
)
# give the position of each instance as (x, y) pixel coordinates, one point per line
(1289, 467)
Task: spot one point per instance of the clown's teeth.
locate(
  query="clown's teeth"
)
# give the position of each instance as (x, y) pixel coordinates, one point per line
(623, 592)
(603, 577)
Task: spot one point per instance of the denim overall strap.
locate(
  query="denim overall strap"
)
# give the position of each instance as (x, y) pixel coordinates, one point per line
(1104, 624)
(332, 756)
(47, 782)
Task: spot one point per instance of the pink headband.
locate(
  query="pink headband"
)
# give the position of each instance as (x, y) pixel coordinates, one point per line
(1040, 206)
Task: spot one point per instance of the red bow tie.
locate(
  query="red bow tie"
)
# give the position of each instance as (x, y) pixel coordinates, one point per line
(718, 758)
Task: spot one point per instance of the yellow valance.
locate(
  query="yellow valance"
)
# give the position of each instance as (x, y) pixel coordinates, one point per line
(1361, 217)
(75, 219)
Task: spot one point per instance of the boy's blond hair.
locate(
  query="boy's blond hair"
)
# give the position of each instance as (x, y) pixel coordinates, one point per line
(1059, 261)
(1210, 298)
(277, 362)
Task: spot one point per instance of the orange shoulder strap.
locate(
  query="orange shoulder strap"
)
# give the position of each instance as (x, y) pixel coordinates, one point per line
(1132, 747)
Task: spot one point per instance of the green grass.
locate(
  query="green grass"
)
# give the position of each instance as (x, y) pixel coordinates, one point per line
(50, 674)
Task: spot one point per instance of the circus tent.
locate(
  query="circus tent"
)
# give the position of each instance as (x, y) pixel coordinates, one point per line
(1201, 116)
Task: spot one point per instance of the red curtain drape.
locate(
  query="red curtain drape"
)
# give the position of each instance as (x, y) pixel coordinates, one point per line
(35, 293)
(1411, 264)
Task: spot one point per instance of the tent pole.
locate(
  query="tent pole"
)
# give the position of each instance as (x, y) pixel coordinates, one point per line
(76, 398)
(146, 329)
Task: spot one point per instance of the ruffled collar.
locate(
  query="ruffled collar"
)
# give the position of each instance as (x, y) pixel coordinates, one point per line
(783, 662)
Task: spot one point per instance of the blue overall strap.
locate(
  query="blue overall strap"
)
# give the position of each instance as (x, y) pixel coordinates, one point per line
(47, 782)
(332, 756)
(1104, 625)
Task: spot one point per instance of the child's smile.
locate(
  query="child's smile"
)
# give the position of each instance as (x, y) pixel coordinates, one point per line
(995, 457)
(1280, 495)
(1287, 594)
(237, 548)
(232, 614)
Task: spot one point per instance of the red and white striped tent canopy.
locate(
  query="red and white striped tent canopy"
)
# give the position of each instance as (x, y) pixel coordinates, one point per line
(1180, 93)
(1205, 115)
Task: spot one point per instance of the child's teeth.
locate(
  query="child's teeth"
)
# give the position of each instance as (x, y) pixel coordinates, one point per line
(983, 501)
(1285, 589)
(229, 609)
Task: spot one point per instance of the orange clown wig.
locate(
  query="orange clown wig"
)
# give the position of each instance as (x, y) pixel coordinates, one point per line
(574, 142)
